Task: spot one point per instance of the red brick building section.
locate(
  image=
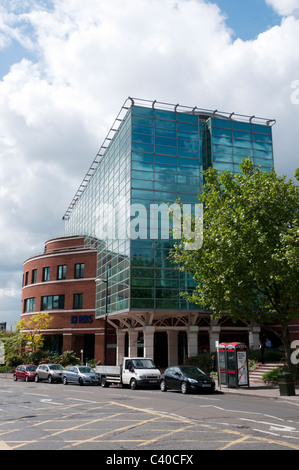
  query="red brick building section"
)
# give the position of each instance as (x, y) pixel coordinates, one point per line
(61, 282)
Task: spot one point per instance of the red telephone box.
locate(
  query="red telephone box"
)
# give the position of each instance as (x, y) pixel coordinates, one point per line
(233, 364)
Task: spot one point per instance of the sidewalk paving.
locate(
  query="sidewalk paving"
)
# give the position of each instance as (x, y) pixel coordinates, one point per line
(260, 389)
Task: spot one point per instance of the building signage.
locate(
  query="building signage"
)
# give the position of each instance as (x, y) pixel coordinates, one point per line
(81, 319)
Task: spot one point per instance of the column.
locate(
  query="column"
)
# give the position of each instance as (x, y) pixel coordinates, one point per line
(148, 337)
(254, 335)
(214, 336)
(133, 335)
(67, 342)
(192, 333)
(172, 347)
(120, 348)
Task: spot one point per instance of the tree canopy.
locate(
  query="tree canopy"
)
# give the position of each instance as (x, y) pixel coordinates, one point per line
(248, 266)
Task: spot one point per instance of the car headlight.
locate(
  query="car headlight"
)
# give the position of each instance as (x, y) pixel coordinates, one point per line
(142, 377)
(192, 381)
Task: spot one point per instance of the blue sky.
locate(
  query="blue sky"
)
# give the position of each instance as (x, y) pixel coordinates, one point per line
(85, 58)
(12, 54)
(248, 18)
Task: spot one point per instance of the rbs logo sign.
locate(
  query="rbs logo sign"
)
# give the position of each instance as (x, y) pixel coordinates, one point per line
(81, 319)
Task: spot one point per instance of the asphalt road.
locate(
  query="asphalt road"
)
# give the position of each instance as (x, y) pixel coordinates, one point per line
(46, 416)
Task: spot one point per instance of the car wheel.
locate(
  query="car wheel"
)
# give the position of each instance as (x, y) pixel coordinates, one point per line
(36, 379)
(50, 380)
(184, 387)
(26, 378)
(15, 377)
(133, 384)
(81, 381)
(64, 380)
(163, 386)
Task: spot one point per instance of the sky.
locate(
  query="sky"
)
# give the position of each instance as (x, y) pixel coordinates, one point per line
(67, 66)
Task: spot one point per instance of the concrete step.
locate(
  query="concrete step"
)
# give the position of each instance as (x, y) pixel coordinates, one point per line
(256, 374)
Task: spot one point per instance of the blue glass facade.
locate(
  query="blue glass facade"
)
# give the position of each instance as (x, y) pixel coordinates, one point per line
(231, 141)
(157, 155)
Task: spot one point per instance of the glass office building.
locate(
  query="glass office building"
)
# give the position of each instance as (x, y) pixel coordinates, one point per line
(155, 154)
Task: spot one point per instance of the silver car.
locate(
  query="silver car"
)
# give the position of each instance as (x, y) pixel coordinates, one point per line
(80, 375)
(49, 372)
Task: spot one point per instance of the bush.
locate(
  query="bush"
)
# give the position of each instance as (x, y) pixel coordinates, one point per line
(272, 375)
(14, 361)
(67, 358)
(203, 361)
(270, 355)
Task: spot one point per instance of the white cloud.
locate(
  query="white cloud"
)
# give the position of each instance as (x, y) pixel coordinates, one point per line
(284, 7)
(90, 56)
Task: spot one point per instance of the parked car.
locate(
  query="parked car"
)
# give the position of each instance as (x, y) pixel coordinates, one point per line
(25, 372)
(187, 379)
(80, 375)
(49, 372)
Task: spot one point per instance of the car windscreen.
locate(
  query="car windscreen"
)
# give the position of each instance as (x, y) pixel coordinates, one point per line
(85, 370)
(31, 368)
(56, 367)
(143, 364)
(192, 371)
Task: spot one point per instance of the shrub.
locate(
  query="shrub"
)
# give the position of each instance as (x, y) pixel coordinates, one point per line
(272, 375)
(67, 358)
(203, 361)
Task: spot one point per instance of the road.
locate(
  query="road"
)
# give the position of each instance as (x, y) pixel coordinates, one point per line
(42, 416)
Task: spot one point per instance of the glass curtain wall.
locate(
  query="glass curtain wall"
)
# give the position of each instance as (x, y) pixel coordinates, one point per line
(155, 157)
(166, 165)
(99, 215)
(233, 140)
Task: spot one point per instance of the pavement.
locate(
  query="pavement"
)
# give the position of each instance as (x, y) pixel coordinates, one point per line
(258, 389)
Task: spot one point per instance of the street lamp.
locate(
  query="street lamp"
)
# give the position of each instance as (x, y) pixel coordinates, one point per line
(106, 318)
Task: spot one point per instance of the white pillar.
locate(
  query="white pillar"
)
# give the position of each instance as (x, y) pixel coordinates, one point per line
(120, 349)
(192, 333)
(133, 335)
(172, 347)
(214, 336)
(148, 338)
(254, 335)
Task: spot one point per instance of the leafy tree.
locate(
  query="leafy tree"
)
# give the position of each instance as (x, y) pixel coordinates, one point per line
(27, 340)
(31, 330)
(248, 266)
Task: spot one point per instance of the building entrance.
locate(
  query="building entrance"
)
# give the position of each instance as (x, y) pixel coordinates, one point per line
(161, 349)
(84, 343)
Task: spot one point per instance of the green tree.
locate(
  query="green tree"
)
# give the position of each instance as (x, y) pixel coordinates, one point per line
(248, 265)
(27, 339)
(31, 330)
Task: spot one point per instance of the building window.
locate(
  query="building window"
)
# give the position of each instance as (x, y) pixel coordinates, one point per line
(78, 301)
(34, 276)
(52, 302)
(46, 274)
(29, 305)
(61, 271)
(26, 278)
(79, 270)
